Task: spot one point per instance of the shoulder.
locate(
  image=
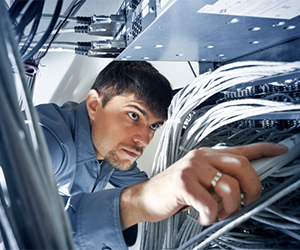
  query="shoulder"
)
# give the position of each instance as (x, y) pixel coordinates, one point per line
(58, 125)
(53, 112)
(58, 120)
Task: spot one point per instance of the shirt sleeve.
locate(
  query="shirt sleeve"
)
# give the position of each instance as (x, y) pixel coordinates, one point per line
(128, 178)
(55, 150)
(95, 219)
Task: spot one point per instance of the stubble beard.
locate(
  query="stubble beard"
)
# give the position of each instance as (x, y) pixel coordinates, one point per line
(113, 159)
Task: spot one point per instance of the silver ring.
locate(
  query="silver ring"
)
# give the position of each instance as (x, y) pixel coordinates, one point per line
(216, 179)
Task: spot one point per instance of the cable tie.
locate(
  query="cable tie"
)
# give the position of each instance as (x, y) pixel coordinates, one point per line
(175, 121)
(183, 149)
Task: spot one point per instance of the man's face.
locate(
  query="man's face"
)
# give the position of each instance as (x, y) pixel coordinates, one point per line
(122, 130)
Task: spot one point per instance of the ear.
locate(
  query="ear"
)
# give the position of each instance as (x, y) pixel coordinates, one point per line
(93, 103)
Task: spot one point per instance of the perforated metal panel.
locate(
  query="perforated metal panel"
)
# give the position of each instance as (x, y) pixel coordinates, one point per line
(181, 33)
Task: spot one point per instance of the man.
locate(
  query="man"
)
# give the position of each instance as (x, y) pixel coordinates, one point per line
(99, 140)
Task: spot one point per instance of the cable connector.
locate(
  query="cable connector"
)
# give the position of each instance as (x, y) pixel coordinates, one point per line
(108, 26)
(105, 48)
(96, 45)
(107, 19)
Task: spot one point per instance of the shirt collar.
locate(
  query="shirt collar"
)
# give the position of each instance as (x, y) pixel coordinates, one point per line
(83, 140)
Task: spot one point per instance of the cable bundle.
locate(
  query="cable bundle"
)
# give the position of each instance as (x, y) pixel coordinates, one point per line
(193, 123)
(31, 211)
(34, 11)
(27, 14)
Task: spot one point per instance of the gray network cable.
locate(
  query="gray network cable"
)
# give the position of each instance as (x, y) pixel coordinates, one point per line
(192, 124)
(32, 214)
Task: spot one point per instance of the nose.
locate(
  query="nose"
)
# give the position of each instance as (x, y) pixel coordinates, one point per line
(142, 137)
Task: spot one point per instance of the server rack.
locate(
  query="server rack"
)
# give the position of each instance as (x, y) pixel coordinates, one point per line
(214, 33)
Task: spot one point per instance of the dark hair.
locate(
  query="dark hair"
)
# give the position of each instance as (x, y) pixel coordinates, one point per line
(135, 77)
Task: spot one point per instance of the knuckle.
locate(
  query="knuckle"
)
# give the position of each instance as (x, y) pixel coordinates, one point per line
(233, 189)
(201, 151)
(229, 185)
(243, 161)
(241, 149)
(185, 175)
(193, 158)
(205, 150)
(194, 153)
(191, 155)
(186, 179)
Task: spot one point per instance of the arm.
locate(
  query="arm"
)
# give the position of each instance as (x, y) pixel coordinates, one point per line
(188, 181)
(95, 219)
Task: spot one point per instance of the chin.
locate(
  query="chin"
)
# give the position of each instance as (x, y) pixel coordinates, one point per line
(117, 164)
(121, 167)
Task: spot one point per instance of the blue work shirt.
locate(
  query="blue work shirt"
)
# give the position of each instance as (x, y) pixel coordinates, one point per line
(93, 211)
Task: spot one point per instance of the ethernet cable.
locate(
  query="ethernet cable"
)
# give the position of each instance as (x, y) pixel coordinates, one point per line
(207, 85)
(48, 31)
(33, 201)
(183, 133)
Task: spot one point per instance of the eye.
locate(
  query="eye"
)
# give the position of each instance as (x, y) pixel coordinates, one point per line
(133, 116)
(154, 126)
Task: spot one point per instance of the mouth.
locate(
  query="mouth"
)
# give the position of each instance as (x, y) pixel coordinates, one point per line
(132, 153)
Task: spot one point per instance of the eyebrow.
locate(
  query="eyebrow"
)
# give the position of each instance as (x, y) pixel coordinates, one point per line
(144, 113)
(158, 123)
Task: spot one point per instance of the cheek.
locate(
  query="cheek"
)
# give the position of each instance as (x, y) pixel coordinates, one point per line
(112, 128)
(151, 135)
(111, 133)
(108, 124)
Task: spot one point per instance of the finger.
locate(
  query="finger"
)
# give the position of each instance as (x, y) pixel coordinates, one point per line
(225, 198)
(254, 151)
(232, 165)
(217, 198)
(224, 207)
(240, 168)
(248, 179)
(228, 189)
(200, 199)
(225, 191)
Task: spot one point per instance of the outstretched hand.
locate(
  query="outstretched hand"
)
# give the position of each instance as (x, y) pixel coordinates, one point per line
(188, 183)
